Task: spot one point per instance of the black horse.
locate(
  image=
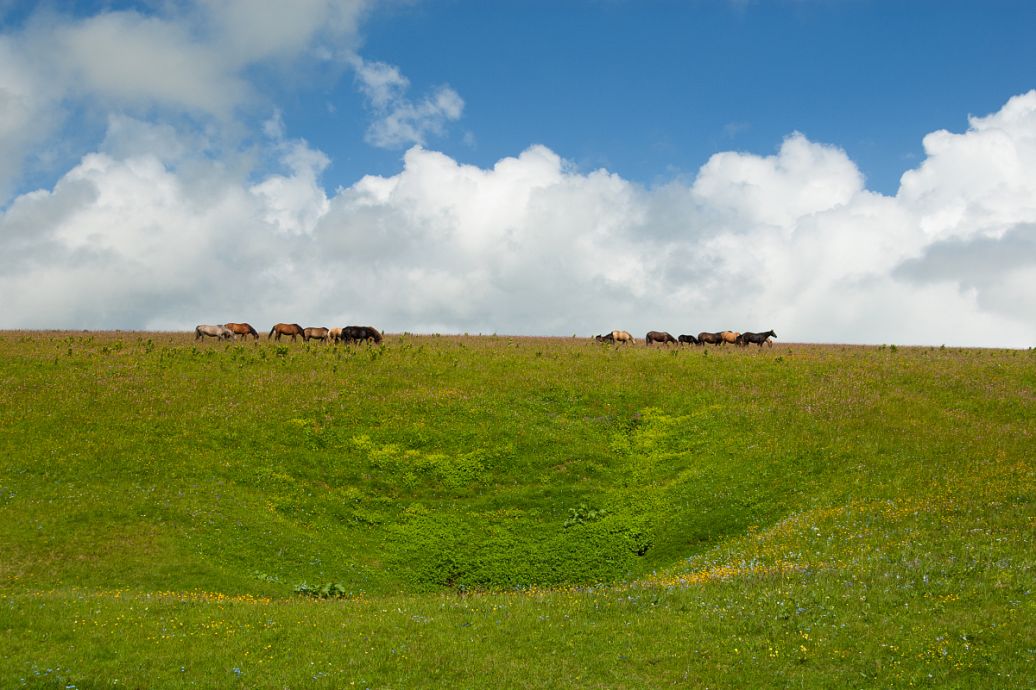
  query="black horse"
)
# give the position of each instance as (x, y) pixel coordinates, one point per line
(689, 339)
(606, 338)
(354, 334)
(757, 338)
(710, 338)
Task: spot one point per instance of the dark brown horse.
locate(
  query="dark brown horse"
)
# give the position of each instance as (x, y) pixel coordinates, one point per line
(292, 329)
(689, 339)
(757, 338)
(241, 329)
(706, 338)
(658, 337)
(354, 334)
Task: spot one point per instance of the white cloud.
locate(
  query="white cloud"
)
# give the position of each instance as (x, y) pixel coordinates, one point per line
(195, 59)
(293, 203)
(399, 121)
(382, 83)
(153, 230)
(127, 58)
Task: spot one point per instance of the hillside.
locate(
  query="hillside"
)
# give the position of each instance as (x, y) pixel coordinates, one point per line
(513, 512)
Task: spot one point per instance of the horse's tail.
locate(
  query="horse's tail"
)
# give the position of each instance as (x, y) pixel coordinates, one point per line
(271, 332)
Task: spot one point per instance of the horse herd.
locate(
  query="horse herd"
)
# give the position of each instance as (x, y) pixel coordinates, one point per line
(355, 334)
(703, 338)
(345, 334)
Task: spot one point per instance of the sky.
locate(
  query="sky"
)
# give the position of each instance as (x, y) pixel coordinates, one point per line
(840, 171)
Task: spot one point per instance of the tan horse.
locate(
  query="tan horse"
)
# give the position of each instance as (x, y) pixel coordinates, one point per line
(241, 329)
(292, 329)
(623, 337)
(335, 334)
(315, 333)
(729, 337)
(219, 332)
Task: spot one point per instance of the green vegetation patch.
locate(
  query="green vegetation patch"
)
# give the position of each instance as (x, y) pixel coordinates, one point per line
(512, 512)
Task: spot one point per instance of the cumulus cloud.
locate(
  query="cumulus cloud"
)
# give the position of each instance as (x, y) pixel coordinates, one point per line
(399, 121)
(151, 230)
(195, 59)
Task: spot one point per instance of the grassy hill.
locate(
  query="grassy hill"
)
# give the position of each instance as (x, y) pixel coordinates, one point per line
(513, 512)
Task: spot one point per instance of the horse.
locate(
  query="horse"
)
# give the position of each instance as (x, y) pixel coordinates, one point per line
(241, 329)
(358, 333)
(658, 337)
(710, 338)
(319, 333)
(334, 334)
(729, 337)
(220, 332)
(606, 338)
(758, 338)
(292, 329)
(623, 337)
(689, 339)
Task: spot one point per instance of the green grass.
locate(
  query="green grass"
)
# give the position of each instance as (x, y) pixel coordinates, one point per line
(513, 512)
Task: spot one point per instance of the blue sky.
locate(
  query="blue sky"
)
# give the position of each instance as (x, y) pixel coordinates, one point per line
(650, 90)
(836, 170)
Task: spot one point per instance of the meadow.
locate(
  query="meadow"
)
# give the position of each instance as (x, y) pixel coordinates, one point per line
(513, 512)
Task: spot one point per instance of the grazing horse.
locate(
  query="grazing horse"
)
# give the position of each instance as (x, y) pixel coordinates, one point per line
(607, 338)
(658, 337)
(710, 338)
(241, 329)
(689, 339)
(758, 338)
(357, 333)
(334, 335)
(729, 337)
(292, 329)
(220, 332)
(319, 333)
(623, 337)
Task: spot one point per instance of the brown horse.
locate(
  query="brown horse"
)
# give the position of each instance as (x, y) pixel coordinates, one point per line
(689, 339)
(292, 329)
(623, 337)
(706, 338)
(658, 337)
(315, 333)
(729, 337)
(241, 329)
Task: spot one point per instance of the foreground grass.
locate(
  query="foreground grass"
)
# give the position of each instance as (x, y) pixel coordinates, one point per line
(513, 512)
